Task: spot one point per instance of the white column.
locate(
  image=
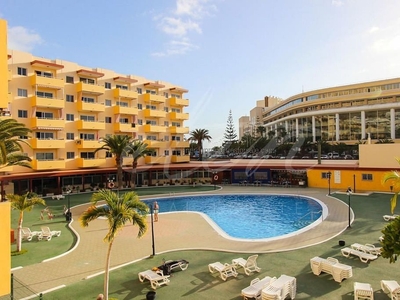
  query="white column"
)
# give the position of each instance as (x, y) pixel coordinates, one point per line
(313, 128)
(392, 124)
(297, 128)
(363, 124)
(337, 127)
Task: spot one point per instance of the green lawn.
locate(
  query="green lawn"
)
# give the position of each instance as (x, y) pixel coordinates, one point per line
(197, 283)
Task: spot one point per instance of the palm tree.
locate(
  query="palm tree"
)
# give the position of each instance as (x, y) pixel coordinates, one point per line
(198, 135)
(23, 203)
(261, 130)
(393, 177)
(118, 210)
(10, 144)
(116, 145)
(137, 149)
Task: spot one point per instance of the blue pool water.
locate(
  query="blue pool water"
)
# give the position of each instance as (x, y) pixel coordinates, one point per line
(249, 216)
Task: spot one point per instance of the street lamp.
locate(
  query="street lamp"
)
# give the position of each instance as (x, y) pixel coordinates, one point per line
(68, 214)
(349, 192)
(329, 174)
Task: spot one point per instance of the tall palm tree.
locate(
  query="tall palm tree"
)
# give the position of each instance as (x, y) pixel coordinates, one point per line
(199, 135)
(116, 145)
(137, 149)
(10, 144)
(261, 130)
(393, 177)
(118, 210)
(23, 203)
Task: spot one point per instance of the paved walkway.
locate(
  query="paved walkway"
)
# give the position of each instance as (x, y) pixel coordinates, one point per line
(173, 231)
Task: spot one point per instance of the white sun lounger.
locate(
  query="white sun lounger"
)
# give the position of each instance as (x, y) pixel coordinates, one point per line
(156, 278)
(364, 257)
(256, 286)
(363, 291)
(225, 270)
(369, 248)
(47, 234)
(391, 287)
(331, 266)
(390, 217)
(279, 289)
(27, 234)
(249, 265)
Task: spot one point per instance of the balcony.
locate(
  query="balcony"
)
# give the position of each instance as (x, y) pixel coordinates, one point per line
(87, 144)
(120, 93)
(46, 143)
(152, 98)
(90, 125)
(48, 82)
(148, 128)
(155, 144)
(88, 106)
(152, 113)
(37, 101)
(178, 116)
(180, 158)
(178, 102)
(126, 161)
(47, 123)
(125, 110)
(152, 160)
(9, 75)
(82, 87)
(42, 165)
(180, 144)
(124, 127)
(90, 163)
(178, 129)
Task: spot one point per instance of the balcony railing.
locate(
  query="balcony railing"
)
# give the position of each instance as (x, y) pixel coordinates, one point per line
(156, 159)
(178, 116)
(47, 123)
(178, 102)
(125, 127)
(152, 98)
(90, 163)
(37, 101)
(152, 113)
(41, 165)
(89, 106)
(89, 88)
(178, 129)
(179, 144)
(37, 143)
(45, 81)
(120, 93)
(87, 144)
(156, 144)
(125, 110)
(90, 125)
(180, 158)
(153, 128)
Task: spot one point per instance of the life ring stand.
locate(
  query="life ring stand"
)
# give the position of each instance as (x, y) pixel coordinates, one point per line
(111, 185)
(215, 177)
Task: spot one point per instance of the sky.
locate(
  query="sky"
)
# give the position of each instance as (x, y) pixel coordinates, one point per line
(227, 53)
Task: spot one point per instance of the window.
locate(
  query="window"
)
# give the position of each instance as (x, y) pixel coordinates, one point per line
(88, 118)
(140, 137)
(69, 79)
(108, 102)
(175, 110)
(70, 155)
(108, 120)
(166, 152)
(139, 90)
(44, 115)
(176, 138)
(108, 154)
(22, 113)
(87, 136)
(70, 98)
(177, 124)
(88, 100)
(87, 155)
(124, 120)
(166, 109)
(367, 177)
(166, 123)
(166, 95)
(122, 87)
(151, 138)
(87, 80)
(70, 117)
(151, 122)
(22, 71)
(176, 152)
(152, 92)
(166, 138)
(122, 104)
(107, 85)
(22, 93)
(152, 107)
(44, 95)
(139, 106)
(44, 135)
(140, 122)
(45, 156)
(44, 74)
(70, 136)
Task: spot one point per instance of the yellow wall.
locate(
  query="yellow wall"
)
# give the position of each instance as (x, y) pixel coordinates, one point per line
(342, 179)
(3, 65)
(5, 221)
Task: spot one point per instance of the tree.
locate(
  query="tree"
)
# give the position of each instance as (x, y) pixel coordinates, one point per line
(116, 145)
(261, 130)
(391, 240)
(23, 203)
(199, 135)
(393, 177)
(137, 149)
(230, 132)
(118, 210)
(10, 144)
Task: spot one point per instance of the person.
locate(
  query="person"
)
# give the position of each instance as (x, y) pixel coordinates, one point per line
(156, 208)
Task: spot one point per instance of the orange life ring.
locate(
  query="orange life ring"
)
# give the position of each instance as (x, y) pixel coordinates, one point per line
(111, 185)
(215, 177)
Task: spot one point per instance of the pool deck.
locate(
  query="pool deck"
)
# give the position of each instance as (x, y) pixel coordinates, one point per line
(173, 231)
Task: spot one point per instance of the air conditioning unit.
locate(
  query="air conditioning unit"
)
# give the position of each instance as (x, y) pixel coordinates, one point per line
(78, 142)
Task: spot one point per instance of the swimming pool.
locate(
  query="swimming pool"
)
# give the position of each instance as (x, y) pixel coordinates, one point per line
(250, 216)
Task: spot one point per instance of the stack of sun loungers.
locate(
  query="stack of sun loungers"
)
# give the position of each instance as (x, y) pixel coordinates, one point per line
(331, 266)
(256, 286)
(368, 248)
(280, 288)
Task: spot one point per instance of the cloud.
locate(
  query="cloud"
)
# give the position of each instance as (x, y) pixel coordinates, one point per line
(23, 39)
(184, 20)
(373, 29)
(175, 47)
(337, 3)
